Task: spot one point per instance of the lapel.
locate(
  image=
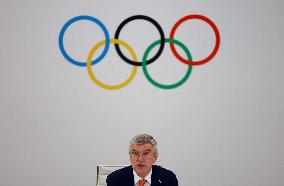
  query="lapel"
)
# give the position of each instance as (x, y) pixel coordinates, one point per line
(155, 180)
(130, 177)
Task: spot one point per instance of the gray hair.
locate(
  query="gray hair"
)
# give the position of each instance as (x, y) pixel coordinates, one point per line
(142, 139)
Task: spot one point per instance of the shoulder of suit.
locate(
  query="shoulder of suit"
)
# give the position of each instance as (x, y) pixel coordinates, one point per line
(121, 172)
(162, 171)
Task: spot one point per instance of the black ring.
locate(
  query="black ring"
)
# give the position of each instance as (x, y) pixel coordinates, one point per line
(155, 23)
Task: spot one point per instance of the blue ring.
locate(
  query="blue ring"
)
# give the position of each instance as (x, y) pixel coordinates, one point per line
(78, 18)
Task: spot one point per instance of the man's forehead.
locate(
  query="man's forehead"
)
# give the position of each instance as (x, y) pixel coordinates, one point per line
(147, 146)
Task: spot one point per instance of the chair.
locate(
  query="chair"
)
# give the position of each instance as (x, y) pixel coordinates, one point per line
(104, 170)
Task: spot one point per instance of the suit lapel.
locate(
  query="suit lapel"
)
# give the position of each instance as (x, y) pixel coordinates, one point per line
(155, 180)
(130, 177)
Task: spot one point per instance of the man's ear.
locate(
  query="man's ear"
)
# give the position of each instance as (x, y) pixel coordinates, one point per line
(156, 156)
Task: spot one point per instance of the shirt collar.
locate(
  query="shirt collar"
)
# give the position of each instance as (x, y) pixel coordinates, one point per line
(137, 178)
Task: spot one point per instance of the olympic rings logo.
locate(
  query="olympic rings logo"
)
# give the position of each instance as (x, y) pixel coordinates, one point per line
(134, 61)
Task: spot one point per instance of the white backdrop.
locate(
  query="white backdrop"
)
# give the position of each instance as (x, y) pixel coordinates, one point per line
(224, 126)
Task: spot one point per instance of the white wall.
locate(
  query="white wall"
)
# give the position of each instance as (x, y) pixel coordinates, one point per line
(223, 127)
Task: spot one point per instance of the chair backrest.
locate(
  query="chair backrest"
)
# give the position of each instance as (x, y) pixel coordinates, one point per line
(104, 170)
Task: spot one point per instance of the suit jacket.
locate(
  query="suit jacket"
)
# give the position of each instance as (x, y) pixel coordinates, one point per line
(160, 177)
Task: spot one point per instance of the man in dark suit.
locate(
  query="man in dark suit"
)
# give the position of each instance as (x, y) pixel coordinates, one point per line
(142, 172)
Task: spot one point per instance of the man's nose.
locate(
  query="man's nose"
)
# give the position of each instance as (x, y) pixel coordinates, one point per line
(140, 158)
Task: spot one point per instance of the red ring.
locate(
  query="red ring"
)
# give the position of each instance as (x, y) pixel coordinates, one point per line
(212, 54)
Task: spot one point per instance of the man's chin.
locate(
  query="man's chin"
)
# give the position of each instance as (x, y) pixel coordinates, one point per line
(141, 170)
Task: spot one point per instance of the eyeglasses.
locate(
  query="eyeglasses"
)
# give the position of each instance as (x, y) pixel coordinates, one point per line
(136, 154)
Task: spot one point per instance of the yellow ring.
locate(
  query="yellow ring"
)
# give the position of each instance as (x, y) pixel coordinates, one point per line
(101, 84)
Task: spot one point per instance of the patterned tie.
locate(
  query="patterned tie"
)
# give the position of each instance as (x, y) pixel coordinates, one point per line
(142, 182)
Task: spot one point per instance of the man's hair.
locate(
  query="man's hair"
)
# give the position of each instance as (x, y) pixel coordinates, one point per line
(142, 139)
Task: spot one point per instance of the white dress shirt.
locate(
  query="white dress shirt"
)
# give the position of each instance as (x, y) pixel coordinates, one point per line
(147, 178)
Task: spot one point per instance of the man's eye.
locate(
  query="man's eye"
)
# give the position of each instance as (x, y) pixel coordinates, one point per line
(135, 153)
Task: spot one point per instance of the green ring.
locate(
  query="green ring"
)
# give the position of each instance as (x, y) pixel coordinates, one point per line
(155, 83)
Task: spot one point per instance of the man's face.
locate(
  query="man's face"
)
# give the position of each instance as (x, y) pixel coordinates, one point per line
(142, 157)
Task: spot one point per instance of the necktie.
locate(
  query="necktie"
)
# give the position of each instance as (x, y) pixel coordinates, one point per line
(142, 182)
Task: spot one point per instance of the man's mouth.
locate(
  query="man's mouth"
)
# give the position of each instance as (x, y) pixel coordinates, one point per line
(141, 166)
